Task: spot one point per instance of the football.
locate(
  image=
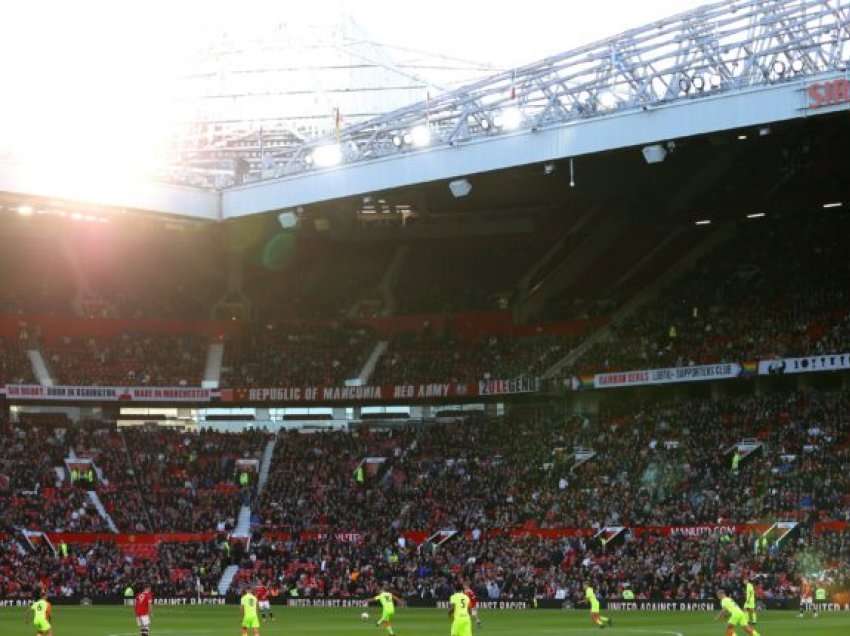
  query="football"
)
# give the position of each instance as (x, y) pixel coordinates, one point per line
(364, 616)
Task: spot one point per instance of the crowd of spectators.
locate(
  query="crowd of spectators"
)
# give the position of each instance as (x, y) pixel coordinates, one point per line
(33, 494)
(128, 360)
(779, 288)
(148, 481)
(173, 481)
(323, 354)
(426, 357)
(653, 465)
(658, 464)
(653, 565)
(105, 569)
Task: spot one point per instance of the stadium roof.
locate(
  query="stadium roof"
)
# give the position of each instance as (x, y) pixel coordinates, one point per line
(719, 67)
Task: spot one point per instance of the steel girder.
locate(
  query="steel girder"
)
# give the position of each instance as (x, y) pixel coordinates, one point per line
(724, 46)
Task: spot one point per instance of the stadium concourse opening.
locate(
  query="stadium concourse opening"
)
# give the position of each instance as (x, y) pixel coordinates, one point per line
(615, 383)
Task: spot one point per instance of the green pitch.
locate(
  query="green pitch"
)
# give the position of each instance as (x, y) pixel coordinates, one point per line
(224, 621)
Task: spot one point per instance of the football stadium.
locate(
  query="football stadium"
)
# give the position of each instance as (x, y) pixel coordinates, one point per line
(349, 325)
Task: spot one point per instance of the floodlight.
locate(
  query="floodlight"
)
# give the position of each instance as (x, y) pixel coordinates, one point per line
(327, 156)
(511, 118)
(421, 136)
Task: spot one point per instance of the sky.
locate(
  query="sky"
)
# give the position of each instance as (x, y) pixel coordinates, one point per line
(91, 78)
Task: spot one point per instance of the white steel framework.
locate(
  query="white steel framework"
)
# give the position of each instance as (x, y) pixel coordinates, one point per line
(720, 47)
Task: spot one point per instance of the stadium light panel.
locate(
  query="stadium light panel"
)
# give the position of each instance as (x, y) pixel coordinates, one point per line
(703, 222)
(327, 156)
(397, 141)
(834, 204)
(756, 215)
(24, 210)
(654, 153)
(797, 65)
(421, 136)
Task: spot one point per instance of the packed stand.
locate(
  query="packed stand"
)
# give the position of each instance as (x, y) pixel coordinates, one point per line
(15, 366)
(441, 358)
(35, 490)
(324, 354)
(180, 482)
(655, 465)
(652, 565)
(104, 569)
(779, 288)
(128, 360)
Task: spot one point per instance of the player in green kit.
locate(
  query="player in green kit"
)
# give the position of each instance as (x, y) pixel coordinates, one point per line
(41, 611)
(387, 601)
(595, 616)
(735, 616)
(250, 619)
(459, 612)
(750, 602)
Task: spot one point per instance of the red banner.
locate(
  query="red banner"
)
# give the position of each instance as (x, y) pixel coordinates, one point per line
(419, 536)
(134, 539)
(384, 393)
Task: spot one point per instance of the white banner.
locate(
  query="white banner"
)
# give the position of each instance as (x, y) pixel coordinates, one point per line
(809, 364)
(669, 375)
(108, 393)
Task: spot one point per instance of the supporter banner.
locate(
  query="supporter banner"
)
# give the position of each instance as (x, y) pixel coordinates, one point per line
(382, 393)
(617, 605)
(182, 600)
(695, 605)
(701, 530)
(809, 364)
(339, 537)
(670, 375)
(109, 393)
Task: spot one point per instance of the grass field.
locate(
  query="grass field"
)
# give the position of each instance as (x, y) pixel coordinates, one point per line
(221, 621)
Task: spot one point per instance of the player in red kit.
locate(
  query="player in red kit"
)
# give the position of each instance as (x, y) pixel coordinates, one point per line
(473, 603)
(263, 604)
(142, 607)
